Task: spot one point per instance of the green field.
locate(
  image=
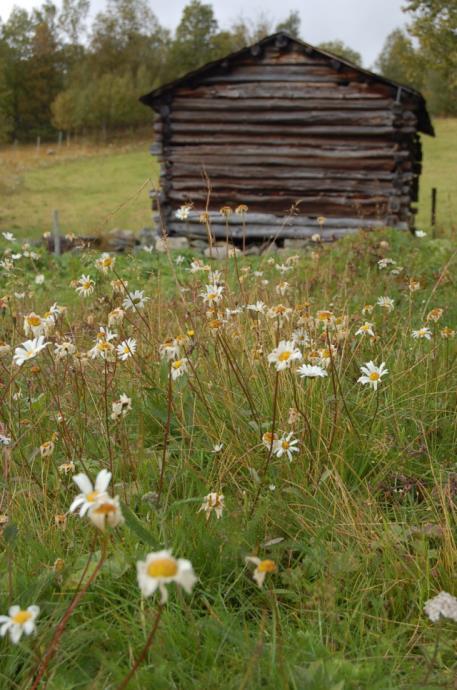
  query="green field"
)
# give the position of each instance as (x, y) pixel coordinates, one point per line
(98, 190)
(355, 531)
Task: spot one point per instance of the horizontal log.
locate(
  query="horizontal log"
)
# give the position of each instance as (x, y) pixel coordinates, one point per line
(280, 89)
(282, 139)
(293, 151)
(272, 232)
(181, 104)
(327, 130)
(296, 185)
(278, 173)
(292, 221)
(381, 164)
(359, 118)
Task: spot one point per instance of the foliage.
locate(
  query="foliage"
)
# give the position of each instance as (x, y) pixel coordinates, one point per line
(361, 524)
(340, 49)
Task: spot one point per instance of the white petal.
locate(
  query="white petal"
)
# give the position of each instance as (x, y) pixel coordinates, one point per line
(102, 481)
(15, 633)
(164, 594)
(29, 627)
(34, 610)
(13, 610)
(79, 500)
(4, 628)
(83, 482)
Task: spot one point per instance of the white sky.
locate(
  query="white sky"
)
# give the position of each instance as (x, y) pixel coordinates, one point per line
(362, 24)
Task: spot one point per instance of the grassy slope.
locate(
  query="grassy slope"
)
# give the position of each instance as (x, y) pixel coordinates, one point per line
(359, 555)
(89, 189)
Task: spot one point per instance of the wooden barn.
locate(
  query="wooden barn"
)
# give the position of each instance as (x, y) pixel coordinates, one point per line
(293, 133)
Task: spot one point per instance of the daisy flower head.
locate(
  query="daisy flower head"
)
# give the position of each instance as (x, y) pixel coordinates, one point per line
(106, 512)
(279, 312)
(8, 236)
(19, 622)
(366, 329)
(28, 350)
(301, 337)
(325, 317)
(286, 446)
(386, 303)
(421, 333)
(135, 300)
(178, 368)
(447, 332)
(47, 449)
(420, 234)
(126, 349)
(39, 279)
(443, 605)
(435, 314)
(213, 501)
(65, 349)
(103, 349)
(372, 374)
(309, 371)
(89, 493)
(34, 325)
(212, 294)
(261, 568)
(282, 288)
(183, 212)
(85, 286)
(169, 349)
(105, 263)
(160, 569)
(283, 355)
(259, 307)
(121, 407)
(5, 440)
(269, 440)
(115, 317)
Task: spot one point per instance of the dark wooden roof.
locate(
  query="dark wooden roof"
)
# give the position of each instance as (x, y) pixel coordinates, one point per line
(163, 95)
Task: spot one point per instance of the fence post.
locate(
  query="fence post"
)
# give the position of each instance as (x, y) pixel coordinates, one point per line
(433, 216)
(38, 143)
(56, 232)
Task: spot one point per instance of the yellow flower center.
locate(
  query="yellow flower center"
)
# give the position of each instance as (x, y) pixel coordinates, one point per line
(162, 567)
(34, 320)
(191, 333)
(92, 496)
(284, 356)
(212, 295)
(374, 376)
(87, 285)
(266, 566)
(103, 345)
(177, 364)
(285, 445)
(21, 617)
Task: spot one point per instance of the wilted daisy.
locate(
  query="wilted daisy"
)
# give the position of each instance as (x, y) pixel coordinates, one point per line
(435, 314)
(116, 317)
(119, 286)
(106, 512)
(178, 368)
(283, 355)
(279, 312)
(67, 468)
(301, 337)
(366, 329)
(212, 294)
(217, 448)
(371, 374)
(47, 449)
(414, 285)
(121, 407)
(89, 493)
(383, 263)
(447, 332)
(286, 446)
(105, 263)
(258, 307)
(65, 349)
(28, 350)
(160, 569)
(367, 309)
(325, 317)
(386, 303)
(169, 349)
(311, 371)
(283, 287)
(85, 286)
(135, 300)
(19, 622)
(103, 349)
(126, 349)
(213, 501)
(5, 440)
(423, 332)
(269, 440)
(443, 605)
(261, 569)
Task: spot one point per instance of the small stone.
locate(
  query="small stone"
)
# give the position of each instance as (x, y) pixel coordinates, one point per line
(221, 251)
(169, 243)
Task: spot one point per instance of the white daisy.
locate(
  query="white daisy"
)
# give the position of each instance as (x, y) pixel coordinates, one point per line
(366, 329)
(386, 303)
(178, 368)
(213, 501)
(85, 286)
(443, 605)
(286, 446)
(19, 622)
(423, 332)
(126, 349)
(89, 493)
(106, 512)
(212, 294)
(311, 372)
(283, 355)
(262, 568)
(135, 300)
(160, 569)
(28, 350)
(372, 374)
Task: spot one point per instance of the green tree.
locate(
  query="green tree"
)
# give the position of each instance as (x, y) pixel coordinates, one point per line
(195, 41)
(400, 61)
(291, 24)
(340, 49)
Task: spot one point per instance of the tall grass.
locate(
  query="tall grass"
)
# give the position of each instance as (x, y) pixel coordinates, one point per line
(360, 523)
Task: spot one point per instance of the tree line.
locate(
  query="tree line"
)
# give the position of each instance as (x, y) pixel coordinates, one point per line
(57, 73)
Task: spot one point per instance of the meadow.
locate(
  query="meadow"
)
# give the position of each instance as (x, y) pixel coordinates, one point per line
(285, 424)
(100, 187)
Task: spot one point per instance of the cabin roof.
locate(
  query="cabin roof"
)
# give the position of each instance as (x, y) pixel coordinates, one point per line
(163, 94)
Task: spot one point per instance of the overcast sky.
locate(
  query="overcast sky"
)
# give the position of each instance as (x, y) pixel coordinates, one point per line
(362, 24)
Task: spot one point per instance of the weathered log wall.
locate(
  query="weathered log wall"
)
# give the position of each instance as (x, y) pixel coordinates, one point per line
(288, 128)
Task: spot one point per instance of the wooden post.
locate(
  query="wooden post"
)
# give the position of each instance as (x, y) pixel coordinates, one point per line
(56, 232)
(38, 143)
(433, 217)
(59, 142)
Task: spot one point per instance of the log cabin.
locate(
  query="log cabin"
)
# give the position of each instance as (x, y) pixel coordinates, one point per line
(306, 140)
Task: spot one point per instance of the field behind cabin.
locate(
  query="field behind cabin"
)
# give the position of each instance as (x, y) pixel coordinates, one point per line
(98, 188)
